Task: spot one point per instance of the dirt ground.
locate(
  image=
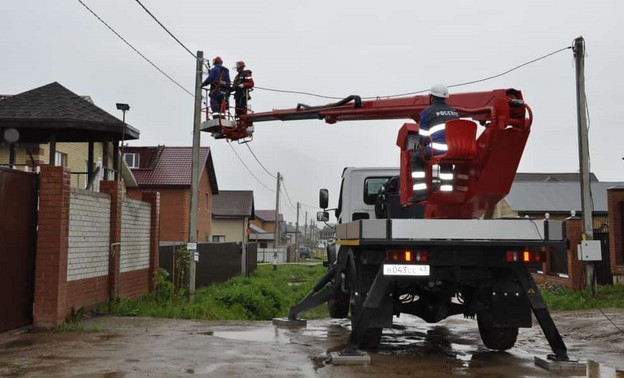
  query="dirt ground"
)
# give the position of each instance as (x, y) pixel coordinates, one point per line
(148, 347)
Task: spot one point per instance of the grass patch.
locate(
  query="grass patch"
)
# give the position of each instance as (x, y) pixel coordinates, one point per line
(77, 328)
(561, 298)
(9, 365)
(263, 295)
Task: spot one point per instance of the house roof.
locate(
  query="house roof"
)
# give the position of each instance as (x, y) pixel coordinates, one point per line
(256, 230)
(268, 215)
(54, 111)
(553, 197)
(171, 167)
(233, 204)
(551, 177)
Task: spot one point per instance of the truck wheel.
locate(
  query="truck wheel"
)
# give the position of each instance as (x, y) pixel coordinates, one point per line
(338, 306)
(495, 338)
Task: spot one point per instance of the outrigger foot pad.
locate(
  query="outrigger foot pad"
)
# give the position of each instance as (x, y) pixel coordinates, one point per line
(350, 358)
(554, 363)
(289, 323)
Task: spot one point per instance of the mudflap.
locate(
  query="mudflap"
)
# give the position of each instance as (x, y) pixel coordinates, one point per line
(509, 306)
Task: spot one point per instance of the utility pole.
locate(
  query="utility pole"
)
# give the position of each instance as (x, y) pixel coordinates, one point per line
(277, 198)
(583, 142)
(305, 230)
(297, 235)
(191, 246)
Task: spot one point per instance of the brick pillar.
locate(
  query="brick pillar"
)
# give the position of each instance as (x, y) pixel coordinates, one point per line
(115, 190)
(52, 246)
(576, 269)
(615, 203)
(153, 198)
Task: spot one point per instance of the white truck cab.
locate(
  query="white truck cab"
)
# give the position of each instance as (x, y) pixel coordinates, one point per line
(358, 192)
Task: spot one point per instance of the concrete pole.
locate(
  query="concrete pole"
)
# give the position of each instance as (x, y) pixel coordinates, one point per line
(583, 142)
(297, 235)
(277, 198)
(193, 210)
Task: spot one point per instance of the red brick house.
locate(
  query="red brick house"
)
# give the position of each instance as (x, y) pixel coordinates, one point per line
(265, 220)
(168, 170)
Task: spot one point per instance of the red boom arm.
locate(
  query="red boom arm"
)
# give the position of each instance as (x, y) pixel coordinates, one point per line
(487, 176)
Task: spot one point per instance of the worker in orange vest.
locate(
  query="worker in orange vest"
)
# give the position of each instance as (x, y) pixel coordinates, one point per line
(243, 84)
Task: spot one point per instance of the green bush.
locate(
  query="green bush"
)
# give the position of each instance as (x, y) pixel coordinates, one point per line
(263, 295)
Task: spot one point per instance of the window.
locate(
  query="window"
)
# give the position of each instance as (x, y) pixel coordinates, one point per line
(263, 245)
(60, 159)
(218, 238)
(371, 188)
(132, 160)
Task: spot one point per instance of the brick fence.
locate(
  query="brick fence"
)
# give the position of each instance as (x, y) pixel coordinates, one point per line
(575, 268)
(91, 247)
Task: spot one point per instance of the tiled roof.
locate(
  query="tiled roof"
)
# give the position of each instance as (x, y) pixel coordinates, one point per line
(267, 215)
(53, 107)
(233, 204)
(173, 168)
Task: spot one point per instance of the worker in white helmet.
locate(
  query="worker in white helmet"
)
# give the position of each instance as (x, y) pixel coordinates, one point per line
(432, 142)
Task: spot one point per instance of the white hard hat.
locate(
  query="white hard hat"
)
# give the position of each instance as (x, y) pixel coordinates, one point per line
(439, 90)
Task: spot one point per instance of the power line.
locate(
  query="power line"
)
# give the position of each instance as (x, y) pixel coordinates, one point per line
(133, 48)
(423, 90)
(254, 155)
(249, 170)
(168, 32)
(286, 191)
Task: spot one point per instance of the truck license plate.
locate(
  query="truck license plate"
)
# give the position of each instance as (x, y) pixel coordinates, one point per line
(405, 270)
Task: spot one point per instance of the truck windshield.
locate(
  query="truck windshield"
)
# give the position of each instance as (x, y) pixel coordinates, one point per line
(371, 188)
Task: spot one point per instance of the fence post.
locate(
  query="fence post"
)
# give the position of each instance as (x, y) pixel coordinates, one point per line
(52, 247)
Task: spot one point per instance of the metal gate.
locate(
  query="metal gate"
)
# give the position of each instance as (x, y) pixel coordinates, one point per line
(603, 267)
(18, 223)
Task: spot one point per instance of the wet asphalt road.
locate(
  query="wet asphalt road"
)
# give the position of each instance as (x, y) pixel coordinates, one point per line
(147, 347)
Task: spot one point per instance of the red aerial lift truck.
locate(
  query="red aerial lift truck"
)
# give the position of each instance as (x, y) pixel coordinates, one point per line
(438, 257)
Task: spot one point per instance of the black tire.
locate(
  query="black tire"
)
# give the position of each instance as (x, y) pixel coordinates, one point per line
(495, 338)
(338, 306)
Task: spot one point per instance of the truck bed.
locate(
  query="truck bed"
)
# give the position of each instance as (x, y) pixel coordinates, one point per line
(517, 231)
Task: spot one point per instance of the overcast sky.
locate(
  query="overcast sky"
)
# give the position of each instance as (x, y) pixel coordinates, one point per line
(334, 48)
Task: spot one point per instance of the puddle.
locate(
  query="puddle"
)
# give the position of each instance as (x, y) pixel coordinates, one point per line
(19, 343)
(265, 335)
(110, 374)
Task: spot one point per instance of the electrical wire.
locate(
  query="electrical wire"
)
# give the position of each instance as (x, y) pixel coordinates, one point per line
(423, 90)
(287, 195)
(249, 170)
(258, 160)
(133, 48)
(168, 32)
(611, 321)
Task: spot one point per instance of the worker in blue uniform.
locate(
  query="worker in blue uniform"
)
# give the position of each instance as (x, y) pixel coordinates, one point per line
(432, 142)
(219, 91)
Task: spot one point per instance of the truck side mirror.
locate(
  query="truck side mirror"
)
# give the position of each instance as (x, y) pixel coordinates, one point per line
(323, 199)
(322, 216)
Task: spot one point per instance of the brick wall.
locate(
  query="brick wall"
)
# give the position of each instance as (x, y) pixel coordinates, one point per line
(576, 270)
(135, 237)
(89, 233)
(78, 261)
(615, 203)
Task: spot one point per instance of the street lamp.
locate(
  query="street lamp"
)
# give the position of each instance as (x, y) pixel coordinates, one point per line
(124, 108)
